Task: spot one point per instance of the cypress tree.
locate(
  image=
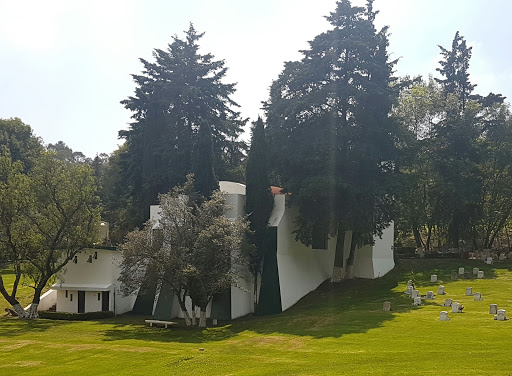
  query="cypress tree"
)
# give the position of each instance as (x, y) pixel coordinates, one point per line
(204, 172)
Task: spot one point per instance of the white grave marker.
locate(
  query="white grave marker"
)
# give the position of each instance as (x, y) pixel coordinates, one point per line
(433, 278)
(475, 271)
(410, 283)
(387, 306)
(430, 295)
(461, 271)
(480, 274)
(415, 294)
(440, 290)
(444, 316)
(409, 290)
(447, 302)
(478, 296)
(502, 257)
(501, 316)
(469, 291)
(456, 307)
(488, 260)
(493, 309)
(417, 301)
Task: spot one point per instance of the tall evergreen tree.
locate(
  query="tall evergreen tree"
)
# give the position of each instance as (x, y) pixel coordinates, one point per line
(204, 172)
(174, 95)
(454, 68)
(329, 129)
(259, 200)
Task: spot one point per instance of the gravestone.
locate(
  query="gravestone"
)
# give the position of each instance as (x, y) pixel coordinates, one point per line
(214, 322)
(453, 276)
(387, 306)
(478, 296)
(461, 271)
(430, 295)
(417, 301)
(457, 307)
(501, 316)
(433, 278)
(409, 290)
(483, 257)
(415, 294)
(410, 283)
(475, 271)
(488, 261)
(444, 316)
(440, 290)
(469, 291)
(502, 256)
(447, 302)
(480, 274)
(493, 309)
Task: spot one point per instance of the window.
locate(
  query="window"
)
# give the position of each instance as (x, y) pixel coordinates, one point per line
(99, 296)
(319, 238)
(89, 260)
(95, 255)
(66, 293)
(71, 297)
(75, 259)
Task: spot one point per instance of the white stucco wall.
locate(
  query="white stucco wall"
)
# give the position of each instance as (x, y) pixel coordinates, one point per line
(48, 299)
(383, 260)
(301, 269)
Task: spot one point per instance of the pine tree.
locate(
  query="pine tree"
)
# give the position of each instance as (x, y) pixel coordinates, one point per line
(174, 95)
(329, 129)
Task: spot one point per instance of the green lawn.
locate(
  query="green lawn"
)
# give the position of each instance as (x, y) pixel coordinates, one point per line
(24, 294)
(338, 330)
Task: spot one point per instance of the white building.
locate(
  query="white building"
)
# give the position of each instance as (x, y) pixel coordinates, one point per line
(290, 271)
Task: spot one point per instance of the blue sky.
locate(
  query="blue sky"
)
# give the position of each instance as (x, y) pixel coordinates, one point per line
(66, 65)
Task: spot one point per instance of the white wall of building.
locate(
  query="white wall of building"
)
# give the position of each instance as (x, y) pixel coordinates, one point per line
(69, 303)
(383, 259)
(301, 269)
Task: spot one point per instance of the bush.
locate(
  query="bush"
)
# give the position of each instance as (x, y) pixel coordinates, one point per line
(52, 315)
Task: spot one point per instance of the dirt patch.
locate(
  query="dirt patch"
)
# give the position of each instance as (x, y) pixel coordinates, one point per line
(25, 363)
(15, 345)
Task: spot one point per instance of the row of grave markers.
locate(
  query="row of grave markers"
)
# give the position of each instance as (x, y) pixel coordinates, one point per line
(500, 314)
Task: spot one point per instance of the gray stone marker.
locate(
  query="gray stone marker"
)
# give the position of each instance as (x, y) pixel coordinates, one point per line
(456, 307)
(493, 309)
(453, 276)
(475, 271)
(415, 294)
(461, 271)
(502, 256)
(469, 291)
(409, 290)
(430, 295)
(417, 301)
(501, 316)
(480, 274)
(409, 282)
(478, 296)
(444, 316)
(440, 290)
(488, 261)
(387, 306)
(447, 302)
(433, 278)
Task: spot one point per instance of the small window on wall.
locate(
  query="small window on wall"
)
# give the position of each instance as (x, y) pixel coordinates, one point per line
(95, 255)
(319, 238)
(71, 297)
(89, 260)
(99, 296)
(66, 293)
(75, 259)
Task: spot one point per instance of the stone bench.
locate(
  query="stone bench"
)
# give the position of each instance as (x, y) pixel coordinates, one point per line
(160, 322)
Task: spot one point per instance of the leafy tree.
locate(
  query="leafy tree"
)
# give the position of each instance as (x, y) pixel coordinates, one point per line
(329, 129)
(64, 153)
(19, 140)
(175, 94)
(259, 199)
(194, 251)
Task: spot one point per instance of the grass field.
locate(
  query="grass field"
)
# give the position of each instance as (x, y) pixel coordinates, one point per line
(24, 294)
(336, 330)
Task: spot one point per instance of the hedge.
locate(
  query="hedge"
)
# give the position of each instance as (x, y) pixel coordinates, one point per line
(53, 315)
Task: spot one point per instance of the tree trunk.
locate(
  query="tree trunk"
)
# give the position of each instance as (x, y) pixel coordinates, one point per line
(193, 315)
(11, 299)
(337, 269)
(417, 237)
(202, 318)
(32, 312)
(183, 307)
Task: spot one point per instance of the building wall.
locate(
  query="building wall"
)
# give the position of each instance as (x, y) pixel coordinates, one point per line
(65, 304)
(383, 259)
(101, 271)
(301, 269)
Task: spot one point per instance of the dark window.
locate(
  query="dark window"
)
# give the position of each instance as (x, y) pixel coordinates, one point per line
(319, 238)
(95, 255)
(89, 259)
(75, 260)
(66, 293)
(99, 296)
(71, 297)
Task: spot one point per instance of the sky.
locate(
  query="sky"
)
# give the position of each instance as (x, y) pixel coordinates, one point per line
(65, 65)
